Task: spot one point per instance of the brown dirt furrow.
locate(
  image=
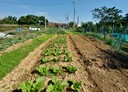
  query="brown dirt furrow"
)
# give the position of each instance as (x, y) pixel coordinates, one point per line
(23, 71)
(103, 77)
(119, 59)
(98, 43)
(82, 73)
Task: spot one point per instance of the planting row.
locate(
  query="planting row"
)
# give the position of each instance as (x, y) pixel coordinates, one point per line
(54, 70)
(57, 51)
(53, 85)
(11, 59)
(21, 38)
(50, 70)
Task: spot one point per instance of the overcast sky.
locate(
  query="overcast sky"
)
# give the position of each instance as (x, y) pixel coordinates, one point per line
(58, 10)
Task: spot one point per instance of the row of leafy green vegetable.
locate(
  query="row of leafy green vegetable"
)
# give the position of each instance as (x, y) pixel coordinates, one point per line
(56, 49)
(54, 70)
(54, 31)
(54, 85)
(21, 38)
(10, 60)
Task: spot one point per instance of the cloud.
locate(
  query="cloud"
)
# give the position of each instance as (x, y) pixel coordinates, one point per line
(41, 13)
(24, 7)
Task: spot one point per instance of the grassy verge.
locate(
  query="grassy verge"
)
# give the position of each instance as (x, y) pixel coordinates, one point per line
(109, 41)
(10, 60)
(54, 31)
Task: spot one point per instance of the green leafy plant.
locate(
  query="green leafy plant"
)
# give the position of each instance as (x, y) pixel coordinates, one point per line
(31, 86)
(67, 58)
(75, 85)
(65, 51)
(44, 60)
(56, 70)
(55, 53)
(71, 69)
(56, 86)
(56, 59)
(47, 52)
(43, 70)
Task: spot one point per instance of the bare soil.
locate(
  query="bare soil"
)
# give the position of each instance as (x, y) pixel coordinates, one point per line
(105, 72)
(23, 70)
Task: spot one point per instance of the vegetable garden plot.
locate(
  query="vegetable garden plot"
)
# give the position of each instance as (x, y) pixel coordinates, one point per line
(20, 39)
(11, 59)
(72, 64)
(102, 77)
(54, 67)
(23, 70)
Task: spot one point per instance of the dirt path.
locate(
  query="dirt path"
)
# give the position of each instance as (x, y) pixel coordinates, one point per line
(102, 77)
(81, 74)
(22, 71)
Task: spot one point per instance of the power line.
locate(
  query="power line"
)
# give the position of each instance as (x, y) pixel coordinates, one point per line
(17, 3)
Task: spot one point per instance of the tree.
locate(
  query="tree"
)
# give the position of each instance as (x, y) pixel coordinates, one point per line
(71, 24)
(22, 20)
(125, 20)
(9, 20)
(32, 19)
(109, 17)
(41, 20)
(105, 14)
(89, 26)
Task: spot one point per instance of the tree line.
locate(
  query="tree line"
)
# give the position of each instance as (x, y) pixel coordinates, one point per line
(107, 19)
(24, 20)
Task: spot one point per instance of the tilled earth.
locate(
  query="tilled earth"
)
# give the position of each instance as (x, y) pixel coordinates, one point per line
(104, 71)
(99, 69)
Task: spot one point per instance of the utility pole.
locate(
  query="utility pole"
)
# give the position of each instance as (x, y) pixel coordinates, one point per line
(45, 23)
(74, 13)
(67, 19)
(60, 23)
(77, 21)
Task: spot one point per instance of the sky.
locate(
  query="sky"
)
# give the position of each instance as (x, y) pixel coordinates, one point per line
(58, 10)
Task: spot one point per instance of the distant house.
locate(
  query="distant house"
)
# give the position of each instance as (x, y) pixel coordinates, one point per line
(51, 24)
(64, 25)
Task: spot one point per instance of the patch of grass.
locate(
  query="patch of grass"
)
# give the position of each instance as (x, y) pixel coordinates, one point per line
(10, 60)
(54, 31)
(107, 40)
